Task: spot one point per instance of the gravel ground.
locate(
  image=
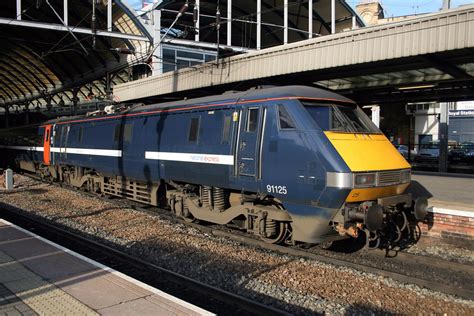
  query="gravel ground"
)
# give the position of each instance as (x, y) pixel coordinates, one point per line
(298, 285)
(429, 246)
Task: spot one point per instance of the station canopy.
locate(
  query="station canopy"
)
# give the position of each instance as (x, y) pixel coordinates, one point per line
(244, 20)
(53, 50)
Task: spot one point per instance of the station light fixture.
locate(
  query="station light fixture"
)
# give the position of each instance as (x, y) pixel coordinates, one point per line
(416, 87)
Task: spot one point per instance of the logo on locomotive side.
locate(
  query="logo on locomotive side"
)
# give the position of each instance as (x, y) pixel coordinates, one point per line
(203, 158)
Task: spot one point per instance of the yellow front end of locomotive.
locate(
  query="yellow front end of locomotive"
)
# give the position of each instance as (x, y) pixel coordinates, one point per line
(367, 154)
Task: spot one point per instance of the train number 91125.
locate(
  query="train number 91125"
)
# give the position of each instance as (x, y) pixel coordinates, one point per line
(278, 189)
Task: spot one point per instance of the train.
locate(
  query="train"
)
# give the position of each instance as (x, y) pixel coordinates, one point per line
(289, 164)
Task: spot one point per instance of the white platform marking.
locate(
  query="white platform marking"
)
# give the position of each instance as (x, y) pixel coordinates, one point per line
(439, 210)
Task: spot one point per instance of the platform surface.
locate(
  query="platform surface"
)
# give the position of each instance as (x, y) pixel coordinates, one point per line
(445, 192)
(38, 277)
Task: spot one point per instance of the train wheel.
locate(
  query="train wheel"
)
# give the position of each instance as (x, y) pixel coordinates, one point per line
(186, 214)
(279, 232)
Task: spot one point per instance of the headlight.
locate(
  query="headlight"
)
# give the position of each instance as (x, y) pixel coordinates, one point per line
(405, 176)
(364, 180)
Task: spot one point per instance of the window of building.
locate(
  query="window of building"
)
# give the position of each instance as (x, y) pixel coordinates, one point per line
(169, 60)
(286, 122)
(252, 120)
(175, 58)
(190, 55)
(209, 58)
(194, 130)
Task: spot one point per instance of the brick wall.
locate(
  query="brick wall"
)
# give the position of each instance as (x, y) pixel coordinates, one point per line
(451, 224)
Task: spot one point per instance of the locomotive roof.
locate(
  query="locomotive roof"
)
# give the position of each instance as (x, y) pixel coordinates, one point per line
(252, 94)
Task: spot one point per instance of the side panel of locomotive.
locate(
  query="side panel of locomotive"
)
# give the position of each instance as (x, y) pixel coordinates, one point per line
(191, 146)
(21, 144)
(296, 158)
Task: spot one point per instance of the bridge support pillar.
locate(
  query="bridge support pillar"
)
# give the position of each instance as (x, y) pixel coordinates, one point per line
(9, 179)
(443, 136)
(376, 115)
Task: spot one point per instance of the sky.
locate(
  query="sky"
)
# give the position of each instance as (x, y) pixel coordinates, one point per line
(408, 7)
(391, 7)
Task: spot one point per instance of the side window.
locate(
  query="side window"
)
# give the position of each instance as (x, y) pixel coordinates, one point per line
(57, 136)
(193, 130)
(286, 122)
(226, 130)
(127, 133)
(79, 134)
(252, 120)
(117, 133)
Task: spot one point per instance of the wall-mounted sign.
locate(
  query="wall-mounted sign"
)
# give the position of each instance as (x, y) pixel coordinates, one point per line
(456, 113)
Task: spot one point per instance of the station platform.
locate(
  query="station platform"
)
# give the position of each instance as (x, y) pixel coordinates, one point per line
(451, 205)
(447, 191)
(39, 277)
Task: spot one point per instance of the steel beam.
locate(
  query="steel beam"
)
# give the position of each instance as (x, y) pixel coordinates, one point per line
(65, 13)
(310, 19)
(285, 22)
(333, 16)
(229, 22)
(12, 84)
(17, 78)
(25, 69)
(259, 24)
(18, 10)
(63, 28)
(109, 15)
(447, 67)
(196, 36)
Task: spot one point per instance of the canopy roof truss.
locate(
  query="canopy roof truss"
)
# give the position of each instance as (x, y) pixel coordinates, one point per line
(56, 48)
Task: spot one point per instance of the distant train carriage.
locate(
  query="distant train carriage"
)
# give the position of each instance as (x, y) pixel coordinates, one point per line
(287, 163)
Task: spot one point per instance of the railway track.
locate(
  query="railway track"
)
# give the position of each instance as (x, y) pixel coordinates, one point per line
(206, 296)
(323, 256)
(391, 269)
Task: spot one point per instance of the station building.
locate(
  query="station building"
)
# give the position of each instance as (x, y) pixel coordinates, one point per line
(419, 125)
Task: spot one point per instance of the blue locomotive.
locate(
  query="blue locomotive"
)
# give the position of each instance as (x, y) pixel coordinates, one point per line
(289, 163)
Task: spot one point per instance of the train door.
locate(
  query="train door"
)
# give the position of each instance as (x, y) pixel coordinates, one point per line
(63, 141)
(53, 143)
(47, 145)
(249, 149)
